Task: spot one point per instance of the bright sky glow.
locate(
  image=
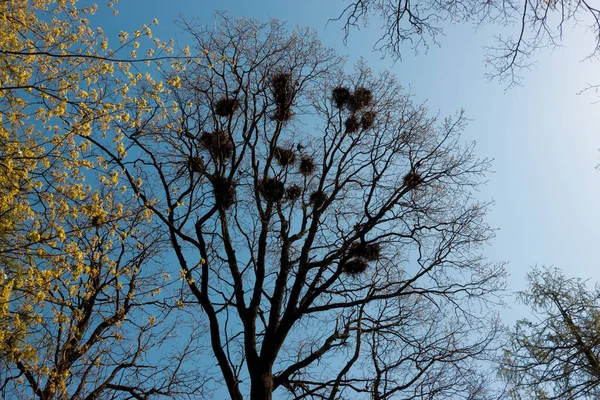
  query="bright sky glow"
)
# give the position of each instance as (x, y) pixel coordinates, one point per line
(542, 135)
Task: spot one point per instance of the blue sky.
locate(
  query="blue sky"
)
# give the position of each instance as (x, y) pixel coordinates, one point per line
(542, 135)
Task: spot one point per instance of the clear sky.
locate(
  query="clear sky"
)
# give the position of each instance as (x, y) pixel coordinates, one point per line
(543, 135)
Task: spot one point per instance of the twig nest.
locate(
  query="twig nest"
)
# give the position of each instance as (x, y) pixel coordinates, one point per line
(365, 251)
(217, 143)
(282, 87)
(293, 192)
(412, 179)
(196, 164)
(283, 96)
(340, 95)
(224, 191)
(307, 166)
(97, 220)
(368, 119)
(271, 189)
(355, 266)
(352, 124)
(318, 198)
(360, 99)
(284, 157)
(226, 107)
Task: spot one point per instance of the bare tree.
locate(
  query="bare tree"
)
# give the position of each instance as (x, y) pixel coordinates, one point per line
(323, 223)
(556, 356)
(417, 24)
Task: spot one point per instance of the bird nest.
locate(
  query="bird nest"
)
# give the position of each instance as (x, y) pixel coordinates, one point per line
(340, 95)
(352, 124)
(226, 107)
(365, 251)
(98, 220)
(224, 191)
(217, 143)
(293, 192)
(271, 189)
(368, 119)
(412, 179)
(307, 166)
(282, 86)
(360, 99)
(196, 164)
(355, 266)
(283, 95)
(284, 157)
(318, 198)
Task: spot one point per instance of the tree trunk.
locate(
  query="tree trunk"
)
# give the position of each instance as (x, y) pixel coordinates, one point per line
(261, 385)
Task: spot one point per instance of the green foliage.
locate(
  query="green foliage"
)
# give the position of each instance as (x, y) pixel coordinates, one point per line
(557, 355)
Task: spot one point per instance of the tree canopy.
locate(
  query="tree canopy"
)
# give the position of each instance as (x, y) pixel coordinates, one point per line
(555, 355)
(323, 223)
(534, 24)
(248, 200)
(80, 282)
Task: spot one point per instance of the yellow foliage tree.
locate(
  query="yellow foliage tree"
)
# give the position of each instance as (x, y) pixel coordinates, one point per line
(81, 306)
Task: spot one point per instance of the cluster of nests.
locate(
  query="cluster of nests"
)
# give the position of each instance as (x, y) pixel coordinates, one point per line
(283, 90)
(273, 190)
(218, 144)
(282, 87)
(356, 103)
(287, 157)
(358, 257)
